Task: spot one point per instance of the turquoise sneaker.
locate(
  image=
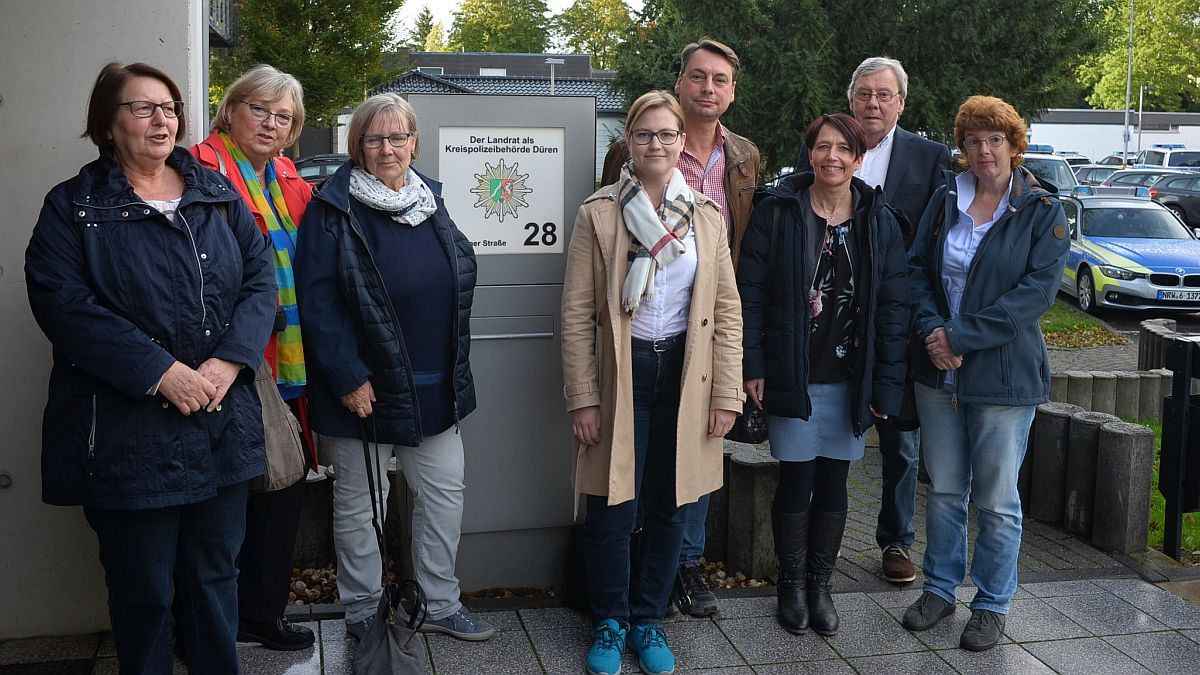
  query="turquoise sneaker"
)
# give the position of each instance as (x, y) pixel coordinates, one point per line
(604, 658)
(654, 654)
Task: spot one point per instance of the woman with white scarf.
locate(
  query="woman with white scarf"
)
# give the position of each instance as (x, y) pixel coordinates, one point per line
(652, 366)
(387, 281)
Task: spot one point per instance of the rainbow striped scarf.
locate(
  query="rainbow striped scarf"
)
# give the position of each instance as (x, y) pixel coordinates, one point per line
(289, 372)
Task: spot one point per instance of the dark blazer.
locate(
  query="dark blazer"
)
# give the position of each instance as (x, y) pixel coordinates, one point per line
(914, 172)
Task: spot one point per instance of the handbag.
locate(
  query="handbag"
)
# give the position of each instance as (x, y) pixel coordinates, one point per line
(391, 646)
(287, 460)
(750, 427)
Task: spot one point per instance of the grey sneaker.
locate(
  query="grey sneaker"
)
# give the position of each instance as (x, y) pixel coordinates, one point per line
(982, 631)
(462, 625)
(358, 629)
(924, 614)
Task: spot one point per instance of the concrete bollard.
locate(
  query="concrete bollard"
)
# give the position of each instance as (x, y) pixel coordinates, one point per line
(1166, 378)
(1080, 488)
(1104, 392)
(753, 475)
(1149, 401)
(1154, 347)
(1058, 387)
(1150, 332)
(1079, 388)
(1124, 463)
(1051, 431)
(1126, 398)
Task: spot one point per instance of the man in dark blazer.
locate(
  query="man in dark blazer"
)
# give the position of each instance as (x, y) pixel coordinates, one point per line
(909, 168)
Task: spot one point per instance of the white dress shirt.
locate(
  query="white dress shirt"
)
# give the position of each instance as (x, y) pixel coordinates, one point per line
(876, 161)
(665, 313)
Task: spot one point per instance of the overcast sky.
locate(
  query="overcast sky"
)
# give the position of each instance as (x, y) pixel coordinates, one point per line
(443, 10)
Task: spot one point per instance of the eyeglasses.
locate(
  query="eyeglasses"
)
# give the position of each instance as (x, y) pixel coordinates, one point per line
(881, 96)
(993, 141)
(396, 140)
(146, 108)
(666, 136)
(261, 114)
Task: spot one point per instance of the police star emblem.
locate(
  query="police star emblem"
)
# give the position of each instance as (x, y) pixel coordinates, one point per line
(501, 190)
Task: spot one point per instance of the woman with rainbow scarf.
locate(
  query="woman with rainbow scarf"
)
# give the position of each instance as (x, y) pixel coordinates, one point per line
(262, 113)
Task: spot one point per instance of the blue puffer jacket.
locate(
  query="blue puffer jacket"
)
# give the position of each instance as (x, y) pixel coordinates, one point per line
(351, 333)
(1012, 281)
(123, 293)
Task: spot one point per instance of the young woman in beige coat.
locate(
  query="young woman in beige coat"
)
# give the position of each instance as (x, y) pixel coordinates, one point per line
(652, 365)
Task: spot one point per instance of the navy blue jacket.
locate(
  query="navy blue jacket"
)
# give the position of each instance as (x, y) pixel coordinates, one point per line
(351, 333)
(1012, 281)
(123, 293)
(775, 303)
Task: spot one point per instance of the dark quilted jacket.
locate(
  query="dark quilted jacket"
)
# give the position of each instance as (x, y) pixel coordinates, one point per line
(350, 329)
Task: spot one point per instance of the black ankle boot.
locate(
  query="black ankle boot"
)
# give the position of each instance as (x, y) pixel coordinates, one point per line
(791, 548)
(824, 539)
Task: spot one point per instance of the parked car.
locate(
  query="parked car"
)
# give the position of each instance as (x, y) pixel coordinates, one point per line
(1129, 253)
(1073, 158)
(1181, 194)
(1114, 159)
(1051, 168)
(315, 168)
(1093, 174)
(1138, 177)
(1168, 155)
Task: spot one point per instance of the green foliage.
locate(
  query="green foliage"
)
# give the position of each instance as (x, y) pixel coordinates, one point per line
(1166, 55)
(519, 26)
(418, 37)
(436, 40)
(594, 27)
(335, 49)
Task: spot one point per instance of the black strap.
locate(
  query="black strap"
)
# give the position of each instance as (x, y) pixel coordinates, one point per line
(374, 477)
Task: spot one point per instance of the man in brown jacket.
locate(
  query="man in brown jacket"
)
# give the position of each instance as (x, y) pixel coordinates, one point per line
(723, 167)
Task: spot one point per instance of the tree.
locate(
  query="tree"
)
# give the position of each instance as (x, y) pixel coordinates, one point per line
(335, 50)
(1166, 55)
(594, 27)
(501, 26)
(422, 27)
(436, 40)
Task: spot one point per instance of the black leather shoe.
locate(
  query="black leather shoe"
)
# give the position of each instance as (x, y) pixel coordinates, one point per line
(982, 631)
(924, 614)
(278, 635)
(825, 529)
(691, 593)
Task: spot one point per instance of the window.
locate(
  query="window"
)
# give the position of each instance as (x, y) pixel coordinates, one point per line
(432, 70)
(493, 72)
(1072, 213)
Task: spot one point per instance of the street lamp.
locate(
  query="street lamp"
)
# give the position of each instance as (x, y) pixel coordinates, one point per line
(1141, 95)
(1128, 84)
(554, 62)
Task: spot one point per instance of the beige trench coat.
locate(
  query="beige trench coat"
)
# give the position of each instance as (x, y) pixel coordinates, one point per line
(597, 367)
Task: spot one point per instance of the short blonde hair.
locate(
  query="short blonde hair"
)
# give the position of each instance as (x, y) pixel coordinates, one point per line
(988, 113)
(265, 83)
(373, 107)
(659, 98)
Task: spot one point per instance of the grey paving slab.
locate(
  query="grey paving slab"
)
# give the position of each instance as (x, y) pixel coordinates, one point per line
(1061, 588)
(506, 651)
(109, 666)
(1033, 619)
(1167, 652)
(918, 662)
(1193, 635)
(564, 650)
(1105, 614)
(740, 608)
(830, 667)
(999, 660)
(35, 650)
(257, 660)
(761, 640)
(872, 632)
(337, 648)
(1085, 656)
(702, 645)
(892, 599)
(554, 617)
(501, 620)
(1164, 606)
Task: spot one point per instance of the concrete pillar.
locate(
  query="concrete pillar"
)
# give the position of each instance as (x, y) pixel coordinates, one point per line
(1079, 388)
(1166, 380)
(1150, 333)
(1124, 464)
(1051, 431)
(1058, 387)
(1081, 470)
(1104, 392)
(753, 475)
(1149, 399)
(1128, 386)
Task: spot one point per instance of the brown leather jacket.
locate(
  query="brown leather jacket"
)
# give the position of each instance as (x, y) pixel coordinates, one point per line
(741, 177)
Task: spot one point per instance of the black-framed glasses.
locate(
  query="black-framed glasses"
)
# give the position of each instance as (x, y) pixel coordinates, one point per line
(146, 108)
(883, 96)
(261, 113)
(993, 141)
(398, 140)
(643, 137)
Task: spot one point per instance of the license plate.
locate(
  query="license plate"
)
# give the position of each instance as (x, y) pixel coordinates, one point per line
(1179, 295)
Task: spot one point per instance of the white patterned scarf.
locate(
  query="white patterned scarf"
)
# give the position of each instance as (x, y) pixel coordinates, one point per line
(411, 205)
(657, 235)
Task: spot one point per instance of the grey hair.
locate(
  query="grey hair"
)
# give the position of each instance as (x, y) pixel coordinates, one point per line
(265, 83)
(371, 108)
(874, 65)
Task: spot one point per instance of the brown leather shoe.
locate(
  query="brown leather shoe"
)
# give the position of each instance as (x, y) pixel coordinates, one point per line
(898, 568)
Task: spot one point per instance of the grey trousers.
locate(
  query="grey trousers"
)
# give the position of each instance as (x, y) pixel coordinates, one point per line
(434, 472)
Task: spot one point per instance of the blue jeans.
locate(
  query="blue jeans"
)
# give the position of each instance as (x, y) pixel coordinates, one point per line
(186, 551)
(611, 592)
(974, 452)
(900, 451)
(694, 517)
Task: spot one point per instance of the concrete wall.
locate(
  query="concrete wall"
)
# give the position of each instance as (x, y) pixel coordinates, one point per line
(51, 53)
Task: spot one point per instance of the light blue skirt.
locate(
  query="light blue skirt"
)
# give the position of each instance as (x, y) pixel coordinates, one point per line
(826, 433)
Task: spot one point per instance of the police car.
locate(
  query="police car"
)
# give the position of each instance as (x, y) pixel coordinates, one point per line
(1129, 252)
